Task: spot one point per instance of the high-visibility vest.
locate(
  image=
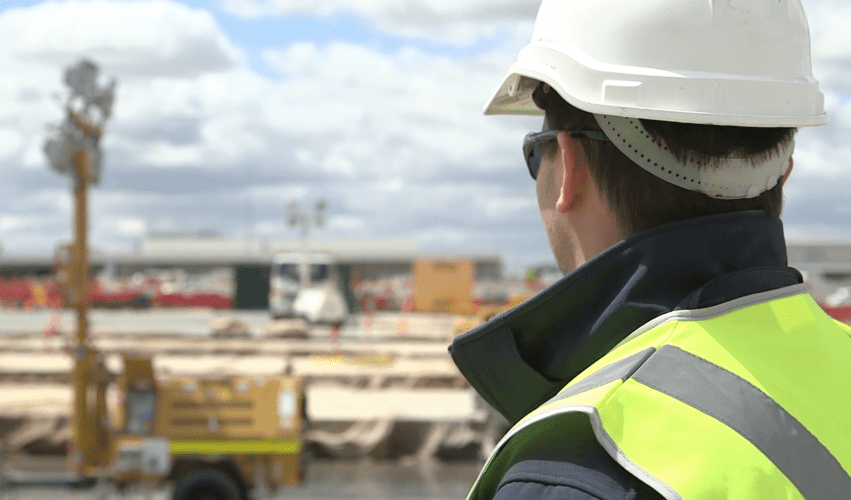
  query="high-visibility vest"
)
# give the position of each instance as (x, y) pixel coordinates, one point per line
(750, 399)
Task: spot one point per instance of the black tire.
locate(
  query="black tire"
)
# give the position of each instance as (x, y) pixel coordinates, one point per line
(207, 484)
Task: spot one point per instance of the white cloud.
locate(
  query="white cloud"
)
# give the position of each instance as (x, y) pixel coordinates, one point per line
(446, 21)
(363, 112)
(14, 222)
(11, 141)
(155, 49)
(808, 233)
(498, 206)
(443, 237)
(829, 35)
(125, 226)
(167, 155)
(348, 224)
(129, 39)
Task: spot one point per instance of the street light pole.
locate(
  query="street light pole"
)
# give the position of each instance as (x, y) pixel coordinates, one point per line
(305, 220)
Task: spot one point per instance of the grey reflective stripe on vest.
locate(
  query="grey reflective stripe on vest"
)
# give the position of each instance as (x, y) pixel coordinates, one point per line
(621, 369)
(744, 408)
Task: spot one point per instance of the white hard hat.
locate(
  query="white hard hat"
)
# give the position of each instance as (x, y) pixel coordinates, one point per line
(713, 62)
(717, 62)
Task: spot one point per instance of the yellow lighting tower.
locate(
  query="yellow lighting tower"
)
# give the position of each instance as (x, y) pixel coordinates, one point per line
(74, 152)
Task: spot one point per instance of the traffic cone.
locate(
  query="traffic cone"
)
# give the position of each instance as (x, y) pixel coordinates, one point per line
(368, 306)
(407, 308)
(368, 322)
(51, 330)
(335, 338)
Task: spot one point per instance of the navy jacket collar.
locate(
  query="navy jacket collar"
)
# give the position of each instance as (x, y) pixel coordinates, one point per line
(521, 358)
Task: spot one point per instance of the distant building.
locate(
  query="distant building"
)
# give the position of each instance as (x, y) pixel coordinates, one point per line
(826, 266)
(251, 260)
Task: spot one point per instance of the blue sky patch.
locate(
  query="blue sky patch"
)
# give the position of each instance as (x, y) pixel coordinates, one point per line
(255, 35)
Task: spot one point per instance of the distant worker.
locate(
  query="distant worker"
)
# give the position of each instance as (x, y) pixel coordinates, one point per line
(680, 357)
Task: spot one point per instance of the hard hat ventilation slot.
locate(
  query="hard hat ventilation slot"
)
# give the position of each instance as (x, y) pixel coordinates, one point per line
(735, 178)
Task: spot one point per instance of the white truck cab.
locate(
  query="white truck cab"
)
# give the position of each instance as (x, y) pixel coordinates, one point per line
(306, 285)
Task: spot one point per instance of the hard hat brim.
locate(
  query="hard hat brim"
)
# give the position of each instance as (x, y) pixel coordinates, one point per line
(686, 97)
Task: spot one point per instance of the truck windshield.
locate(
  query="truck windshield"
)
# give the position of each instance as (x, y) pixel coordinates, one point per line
(319, 272)
(288, 272)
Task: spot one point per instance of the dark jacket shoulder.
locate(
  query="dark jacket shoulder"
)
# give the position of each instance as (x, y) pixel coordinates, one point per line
(577, 468)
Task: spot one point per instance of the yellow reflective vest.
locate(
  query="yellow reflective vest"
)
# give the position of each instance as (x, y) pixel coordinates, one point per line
(749, 399)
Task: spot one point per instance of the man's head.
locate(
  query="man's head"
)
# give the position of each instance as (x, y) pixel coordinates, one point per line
(592, 196)
(638, 199)
(699, 103)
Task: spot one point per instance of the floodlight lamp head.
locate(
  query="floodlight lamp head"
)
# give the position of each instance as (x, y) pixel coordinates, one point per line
(320, 212)
(105, 98)
(82, 79)
(59, 155)
(293, 214)
(62, 150)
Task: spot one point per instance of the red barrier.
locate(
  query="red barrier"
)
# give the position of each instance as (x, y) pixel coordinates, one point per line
(839, 313)
(15, 290)
(22, 293)
(207, 300)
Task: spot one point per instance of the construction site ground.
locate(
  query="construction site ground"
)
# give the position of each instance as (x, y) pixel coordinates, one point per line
(383, 390)
(354, 480)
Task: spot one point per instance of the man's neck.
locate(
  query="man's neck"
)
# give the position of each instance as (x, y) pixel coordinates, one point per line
(594, 230)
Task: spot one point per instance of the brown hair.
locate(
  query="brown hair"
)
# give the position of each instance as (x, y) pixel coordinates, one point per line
(639, 199)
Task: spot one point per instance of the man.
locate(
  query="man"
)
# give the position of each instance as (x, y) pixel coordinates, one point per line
(680, 357)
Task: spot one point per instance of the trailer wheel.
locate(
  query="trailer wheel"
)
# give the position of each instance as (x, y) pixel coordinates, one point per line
(207, 484)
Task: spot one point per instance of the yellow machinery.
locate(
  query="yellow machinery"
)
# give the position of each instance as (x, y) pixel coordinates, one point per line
(214, 439)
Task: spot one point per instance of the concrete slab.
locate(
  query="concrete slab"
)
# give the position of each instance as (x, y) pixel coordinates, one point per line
(197, 323)
(328, 403)
(325, 403)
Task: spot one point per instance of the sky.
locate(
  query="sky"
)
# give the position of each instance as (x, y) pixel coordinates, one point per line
(226, 110)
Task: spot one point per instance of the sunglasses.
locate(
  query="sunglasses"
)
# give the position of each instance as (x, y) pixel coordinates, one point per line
(532, 145)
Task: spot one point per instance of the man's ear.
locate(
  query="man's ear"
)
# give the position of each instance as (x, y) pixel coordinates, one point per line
(575, 173)
(786, 175)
